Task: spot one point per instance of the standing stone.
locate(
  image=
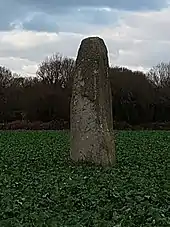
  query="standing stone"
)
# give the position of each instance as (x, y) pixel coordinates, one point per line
(92, 138)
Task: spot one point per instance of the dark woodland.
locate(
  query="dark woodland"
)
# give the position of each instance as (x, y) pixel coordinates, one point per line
(43, 102)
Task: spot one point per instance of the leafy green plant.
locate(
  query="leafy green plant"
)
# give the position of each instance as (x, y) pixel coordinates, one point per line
(40, 186)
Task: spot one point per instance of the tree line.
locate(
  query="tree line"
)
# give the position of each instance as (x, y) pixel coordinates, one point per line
(138, 98)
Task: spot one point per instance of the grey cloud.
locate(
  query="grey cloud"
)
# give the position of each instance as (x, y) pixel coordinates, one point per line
(74, 21)
(61, 18)
(122, 48)
(61, 10)
(54, 5)
(11, 10)
(41, 22)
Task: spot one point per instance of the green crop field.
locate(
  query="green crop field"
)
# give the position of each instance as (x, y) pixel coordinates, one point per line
(40, 186)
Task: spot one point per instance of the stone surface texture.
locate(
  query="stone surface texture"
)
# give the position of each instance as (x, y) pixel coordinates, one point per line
(92, 137)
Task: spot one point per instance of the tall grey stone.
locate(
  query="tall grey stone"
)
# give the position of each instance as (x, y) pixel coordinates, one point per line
(92, 138)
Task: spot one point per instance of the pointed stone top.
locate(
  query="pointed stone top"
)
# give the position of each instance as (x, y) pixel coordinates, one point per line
(93, 39)
(92, 47)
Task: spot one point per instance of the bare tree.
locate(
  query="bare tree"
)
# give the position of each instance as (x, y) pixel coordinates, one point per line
(5, 77)
(159, 75)
(56, 70)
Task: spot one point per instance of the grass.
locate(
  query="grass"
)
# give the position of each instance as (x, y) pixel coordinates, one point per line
(39, 186)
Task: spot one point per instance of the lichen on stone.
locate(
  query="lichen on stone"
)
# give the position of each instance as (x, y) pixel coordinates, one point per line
(91, 108)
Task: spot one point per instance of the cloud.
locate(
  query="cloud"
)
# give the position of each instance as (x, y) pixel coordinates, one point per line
(19, 65)
(24, 40)
(39, 21)
(35, 46)
(10, 11)
(55, 6)
(75, 21)
(40, 15)
(135, 39)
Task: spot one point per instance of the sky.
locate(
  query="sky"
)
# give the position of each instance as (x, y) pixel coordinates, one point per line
(136, 32)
